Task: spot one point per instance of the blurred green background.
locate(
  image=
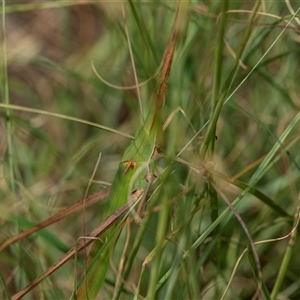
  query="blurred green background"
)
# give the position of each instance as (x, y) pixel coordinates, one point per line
(50, 50)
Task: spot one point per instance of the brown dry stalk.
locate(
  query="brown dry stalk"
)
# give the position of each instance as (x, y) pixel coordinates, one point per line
(166, 68)
(83, 243)
(87, 202)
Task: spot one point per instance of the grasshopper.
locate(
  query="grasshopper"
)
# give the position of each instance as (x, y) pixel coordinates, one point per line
(131, 183)
(131, 175)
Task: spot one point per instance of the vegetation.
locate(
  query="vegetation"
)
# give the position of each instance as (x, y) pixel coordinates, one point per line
(80, 80)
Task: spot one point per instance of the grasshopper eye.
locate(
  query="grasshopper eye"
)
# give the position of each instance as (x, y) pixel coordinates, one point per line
(129, 164)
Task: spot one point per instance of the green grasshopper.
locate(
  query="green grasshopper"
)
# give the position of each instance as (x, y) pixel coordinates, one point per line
(131, 176)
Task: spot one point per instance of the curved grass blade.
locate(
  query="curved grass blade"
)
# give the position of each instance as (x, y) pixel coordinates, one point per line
(64, 117)
(255, 192)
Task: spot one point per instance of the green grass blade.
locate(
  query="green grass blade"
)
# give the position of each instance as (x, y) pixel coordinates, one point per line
(5, 88)
(210, 134)
(62, 116)
(263, 288)
(286, 259)
(255, 192)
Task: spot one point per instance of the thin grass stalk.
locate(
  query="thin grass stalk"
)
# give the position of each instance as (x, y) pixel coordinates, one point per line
(64, 117)
(287, 257)
(7, 110)
(184, 241)
(142, 27)
(218, 62)
(213, 196)
(132, 255)
(8, 115)
(4, 287)
(36, 6)
(218, 104)
(263, 167)
(263, 56)
(262, 288)
(173, 279)
(207, 251)
(210, 134)
(242, 48)
(217, 78)
(159, 241)
(186, 234)
(254, 255)
(138, 288)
